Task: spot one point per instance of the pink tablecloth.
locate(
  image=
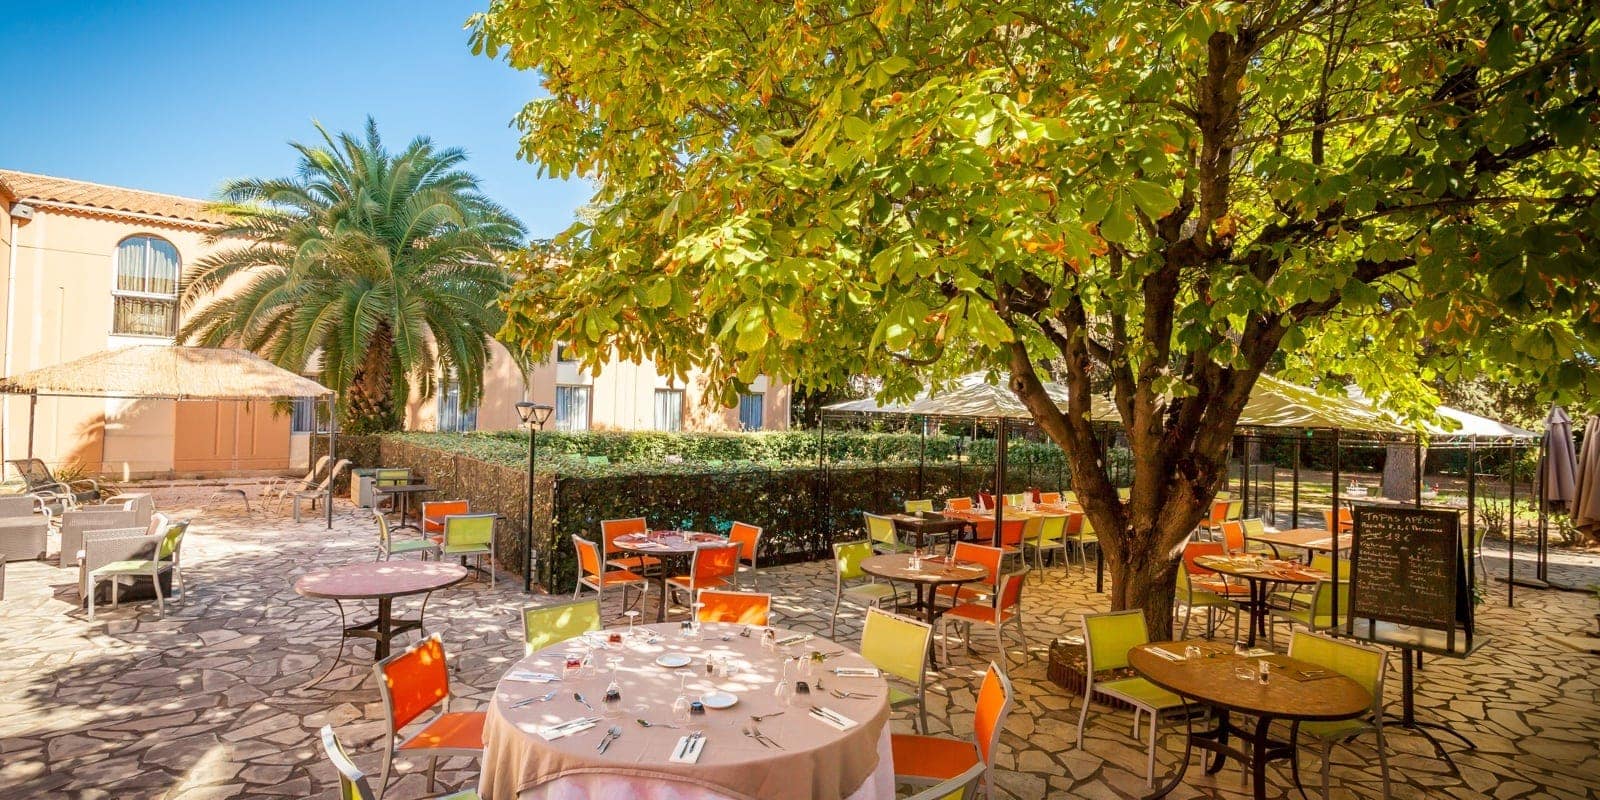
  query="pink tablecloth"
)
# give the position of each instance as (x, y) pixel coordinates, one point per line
(817, 761)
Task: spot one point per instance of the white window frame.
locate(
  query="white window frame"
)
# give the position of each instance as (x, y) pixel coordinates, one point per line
(760, 397)
(119, 293)
(655, 408)
(588, 406)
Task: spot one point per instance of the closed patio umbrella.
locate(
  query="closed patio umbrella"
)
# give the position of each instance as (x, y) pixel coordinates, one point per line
(1586, 505)
(1558, 471)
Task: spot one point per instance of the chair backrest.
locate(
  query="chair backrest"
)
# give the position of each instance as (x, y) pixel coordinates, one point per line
(1010, 591)
(316, 469)
(895, 644)
(745, 608)
(33, 472)
(589, 562)
(958, 504)
(748, 537)
(18, 505)
(1347, 519)
(881, 529)
(985, 500)
(1194, 550)
(1233, 536)
(1050, 498)
(413, 681)
(172, 542)
(994, 703)
(1124, 493)
(610, 529)
(352, 781)
(1011, 532)
(1031, 528)
(1076, 520)
(439, 509)
(1323, 562)
(914, 506)
(847, 558)
(468, 531)
(392, 476)
(1362, 664)
(1069, 496)
(1108, 636)
(713, 562)
(543, 626)
(1052, 528)
(1016, 499)
(1253, 526)
(989, 557)
(333, 475)
(384, 534)
(1219, 512)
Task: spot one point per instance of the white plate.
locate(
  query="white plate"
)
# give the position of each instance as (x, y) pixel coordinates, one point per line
(673, 660)
(719, 700)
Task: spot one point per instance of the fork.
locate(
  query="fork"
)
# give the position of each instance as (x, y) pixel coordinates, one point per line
(850, 695)
(611, 735)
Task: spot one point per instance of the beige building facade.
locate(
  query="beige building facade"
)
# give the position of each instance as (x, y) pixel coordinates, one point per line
(89, 267)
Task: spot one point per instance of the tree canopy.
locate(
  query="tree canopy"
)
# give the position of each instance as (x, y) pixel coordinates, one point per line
(1160, 200)
(377, 268)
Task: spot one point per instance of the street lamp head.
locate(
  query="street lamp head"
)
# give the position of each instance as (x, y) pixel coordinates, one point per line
(535, 414)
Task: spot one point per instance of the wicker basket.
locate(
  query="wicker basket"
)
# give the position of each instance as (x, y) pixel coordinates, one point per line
(1065, 669)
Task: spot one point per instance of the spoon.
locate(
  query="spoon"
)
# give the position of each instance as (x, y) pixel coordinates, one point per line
(540, 699)
(644, 723)
(611, 735)
(578, 696)
(759, 717)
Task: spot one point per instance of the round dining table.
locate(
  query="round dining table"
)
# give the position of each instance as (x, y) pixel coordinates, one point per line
(1296, 691)
(798, 755)
(1260, 574)
(927, 575)
(678, 546)
(382, 581)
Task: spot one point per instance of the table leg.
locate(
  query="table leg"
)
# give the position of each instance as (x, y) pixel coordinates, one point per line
(1183, 766)
(1258, 758)
(1220, 757)
(1408, 714)
(380, 650)
(1258, 593)
(661, 608)
(931, 611)
(344, 636)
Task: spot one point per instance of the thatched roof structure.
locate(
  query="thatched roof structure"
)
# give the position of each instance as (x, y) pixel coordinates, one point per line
(164, 372)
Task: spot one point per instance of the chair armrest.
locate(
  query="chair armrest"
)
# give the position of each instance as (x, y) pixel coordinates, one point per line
(117, 544)
(93, 484)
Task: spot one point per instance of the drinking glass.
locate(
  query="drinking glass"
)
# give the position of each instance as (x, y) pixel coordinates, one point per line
(680, 706)
(784, 691)
(631, 615)
(694, 620)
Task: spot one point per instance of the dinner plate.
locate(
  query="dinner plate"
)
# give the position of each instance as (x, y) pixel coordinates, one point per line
(719, 700)
(673, 660)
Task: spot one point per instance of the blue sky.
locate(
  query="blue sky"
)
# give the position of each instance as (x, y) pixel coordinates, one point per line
(179, 96)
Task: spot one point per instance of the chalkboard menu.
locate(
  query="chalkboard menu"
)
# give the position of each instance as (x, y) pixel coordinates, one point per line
(1406, 568)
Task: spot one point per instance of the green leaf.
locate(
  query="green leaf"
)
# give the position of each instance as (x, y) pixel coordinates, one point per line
(1153, 199)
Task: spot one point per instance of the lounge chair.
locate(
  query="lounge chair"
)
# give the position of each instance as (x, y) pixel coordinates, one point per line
(61, 494)
(319, 491)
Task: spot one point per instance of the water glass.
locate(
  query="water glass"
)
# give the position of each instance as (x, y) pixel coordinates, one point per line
(1192, 652)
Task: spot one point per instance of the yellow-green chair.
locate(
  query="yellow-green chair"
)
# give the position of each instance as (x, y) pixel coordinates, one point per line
(1016, 500)
(885, 539)
(1190, 598)
(1107, 638)
(390, 545)
(1362, 664)
(470, 535)
(899, 646)
(849, 580)
(543, 626)
(1317, 615)
(1124, 493)
(1069, 496)
(1299, 596)
(915, 506)
(1080, 534)
(168, 547)
(353, 783)
(391, 476)
(1049, 534)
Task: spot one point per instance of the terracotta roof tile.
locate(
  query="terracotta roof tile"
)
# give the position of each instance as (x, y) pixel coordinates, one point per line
(26, 186)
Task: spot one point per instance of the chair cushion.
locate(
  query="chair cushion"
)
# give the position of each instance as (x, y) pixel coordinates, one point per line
(978, 612)
(633, 562)
(870, 591)
(1140, 692)
(934, 757)
(142, 567)
(899, 697)
(687, 582)
(618, 576)
(457, 730)
(1336, 730)
(411, 545)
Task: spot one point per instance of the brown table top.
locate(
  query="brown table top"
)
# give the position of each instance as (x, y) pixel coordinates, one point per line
(936, 522)
(1254, 569)
(679, 542)
(405, 488)
(1309, 538)
(379, 579)
(1297, 689)
(940, 570)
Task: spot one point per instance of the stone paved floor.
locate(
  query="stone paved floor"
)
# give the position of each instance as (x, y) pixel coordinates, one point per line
(203, 703)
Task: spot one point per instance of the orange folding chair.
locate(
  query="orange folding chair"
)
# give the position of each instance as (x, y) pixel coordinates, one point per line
(610, 529)
(1006, 612)
(711, 568)
(990, 558)
(410, 684)
(744, 608)
(434, 512)
(1347, 520)
(931, 760)
(592, 573)
(958, 504)
(748, 537)
(1208, 579)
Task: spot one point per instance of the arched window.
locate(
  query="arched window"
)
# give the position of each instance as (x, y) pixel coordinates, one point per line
(145, 300)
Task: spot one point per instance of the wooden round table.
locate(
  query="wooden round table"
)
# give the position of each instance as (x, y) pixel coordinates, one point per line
(1260, 574)
(382, 581)
(934, 572)
(665, 544)
(403, 493)
(1298, 691)
(800, 758)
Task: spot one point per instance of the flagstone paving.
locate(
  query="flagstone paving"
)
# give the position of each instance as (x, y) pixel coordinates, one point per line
(203, 703)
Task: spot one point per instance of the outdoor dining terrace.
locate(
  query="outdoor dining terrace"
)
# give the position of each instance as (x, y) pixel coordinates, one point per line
(211, 700)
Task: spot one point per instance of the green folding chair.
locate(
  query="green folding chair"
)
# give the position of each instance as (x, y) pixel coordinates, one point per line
(1107, 638)
(168, 550)
(470, 535)
(543, 626)
(915, 506)
(849, 580)
(1362, 664)
(885, 539)
(899, 647)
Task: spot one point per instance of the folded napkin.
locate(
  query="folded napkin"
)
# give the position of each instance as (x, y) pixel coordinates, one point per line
(530, 676)
(687, 750)
(857, 672)
(795, 639)
(1257, 652)
(832, 718)
(1166, 654)
(571, 726)
(649, 545)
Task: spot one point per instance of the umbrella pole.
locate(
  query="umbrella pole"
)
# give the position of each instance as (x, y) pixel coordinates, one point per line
(1334, 534)
(1294, 493)
(333, 423)
(999, 482)
(1511, 526)
(33, 408)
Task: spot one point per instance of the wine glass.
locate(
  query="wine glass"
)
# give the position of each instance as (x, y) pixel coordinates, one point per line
(631, 614)
(680, 706)
(694, 619)
(611, 704)
(784, 691)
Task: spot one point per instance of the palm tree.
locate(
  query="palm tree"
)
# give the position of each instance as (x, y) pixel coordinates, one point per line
(381, 267)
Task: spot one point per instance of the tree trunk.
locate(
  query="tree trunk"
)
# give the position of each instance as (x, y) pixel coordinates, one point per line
(1145, 584)
(1400, 472)
(370, 405)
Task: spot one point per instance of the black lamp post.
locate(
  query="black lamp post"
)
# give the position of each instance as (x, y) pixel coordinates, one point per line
(534, 415)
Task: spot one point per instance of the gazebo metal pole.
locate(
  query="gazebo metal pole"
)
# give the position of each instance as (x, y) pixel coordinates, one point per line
(1472, 513)
(999, 482)
(1294, 507)
(1511, 525)
(1334, 534)
(922, 453)
(33, 407)
(1416, 466)
(333, 424)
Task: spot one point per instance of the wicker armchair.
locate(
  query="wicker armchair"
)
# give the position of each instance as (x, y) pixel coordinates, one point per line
(23, 533)
(76, 522)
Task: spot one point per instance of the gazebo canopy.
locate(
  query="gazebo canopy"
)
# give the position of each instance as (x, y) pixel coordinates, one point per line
(164, 372)
(972, 396)
(1277, 403)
